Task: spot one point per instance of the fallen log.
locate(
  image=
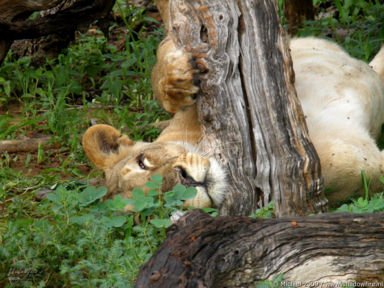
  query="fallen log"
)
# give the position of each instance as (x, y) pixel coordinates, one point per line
(24, 145)
(63, 19)
(322, 250)
(14, 10)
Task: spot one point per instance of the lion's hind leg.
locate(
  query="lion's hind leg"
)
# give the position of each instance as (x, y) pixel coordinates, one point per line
(342, 161)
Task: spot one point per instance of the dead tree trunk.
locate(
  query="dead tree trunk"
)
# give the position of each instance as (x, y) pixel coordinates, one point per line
(251, 116)
(201, 251)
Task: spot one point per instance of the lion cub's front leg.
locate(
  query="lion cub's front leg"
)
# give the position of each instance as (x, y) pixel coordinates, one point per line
(172, 77)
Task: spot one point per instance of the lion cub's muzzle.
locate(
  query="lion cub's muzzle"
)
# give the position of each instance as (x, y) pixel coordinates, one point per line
(186, 179)
(192, 169)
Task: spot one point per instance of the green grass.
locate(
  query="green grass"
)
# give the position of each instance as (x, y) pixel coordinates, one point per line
(356, 25)
(365, 204)
(90, 74)
(70, 239)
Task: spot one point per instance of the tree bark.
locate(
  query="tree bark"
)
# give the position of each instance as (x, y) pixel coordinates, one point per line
(202, 251)
(14, 10)
(81, 11)
(4, 48)
(64, 20)
(251, 117)
(296, 11)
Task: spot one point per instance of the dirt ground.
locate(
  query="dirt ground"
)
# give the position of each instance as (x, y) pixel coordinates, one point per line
(28, 162)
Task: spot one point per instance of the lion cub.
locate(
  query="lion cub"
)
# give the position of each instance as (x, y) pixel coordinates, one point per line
(342, 99)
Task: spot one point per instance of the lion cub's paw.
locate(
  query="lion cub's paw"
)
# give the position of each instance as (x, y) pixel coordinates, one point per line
(178, 83)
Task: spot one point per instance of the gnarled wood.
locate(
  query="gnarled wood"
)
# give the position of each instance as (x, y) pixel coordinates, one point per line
(64, 18)
(13, 10)
(251, 116)
(201, 251)
(81, 11)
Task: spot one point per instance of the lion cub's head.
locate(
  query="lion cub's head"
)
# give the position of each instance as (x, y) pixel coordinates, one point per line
(128, 164)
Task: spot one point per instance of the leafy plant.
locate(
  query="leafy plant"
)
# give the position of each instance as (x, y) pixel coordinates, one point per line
(159, 206)
(360, 21)
(79, 241)
(265, 212)
(276, 282)
(365, 204)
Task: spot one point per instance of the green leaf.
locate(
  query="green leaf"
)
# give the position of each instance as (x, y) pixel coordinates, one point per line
(82, 219)
(138, 193)
(343, 208)
(91, 194)
(265, 212)
(153, 193)
(361, 202)
(210, 211)
(152, 185)
(53, 197)
(169, 196)
(158, 179)
(179, 189)
(174, 204)
(189, 193)
(114, 221)
(356, 209)
(139, 205)
(147, 212)
(118, 203)
(24, 222)
(131, 201)
(161, 223)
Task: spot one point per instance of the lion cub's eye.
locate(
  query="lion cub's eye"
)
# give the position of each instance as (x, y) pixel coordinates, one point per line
(140, 162)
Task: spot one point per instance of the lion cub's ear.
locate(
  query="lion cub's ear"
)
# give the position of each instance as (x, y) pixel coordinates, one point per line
(105, 146)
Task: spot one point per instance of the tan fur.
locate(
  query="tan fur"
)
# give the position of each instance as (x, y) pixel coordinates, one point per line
(342, 98)
(377, 63)
(174, 149)
(172, 78)
(163, 7)
(343, 101)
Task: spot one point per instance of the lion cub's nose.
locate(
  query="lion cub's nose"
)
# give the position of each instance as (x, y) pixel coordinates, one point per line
(192, 168)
